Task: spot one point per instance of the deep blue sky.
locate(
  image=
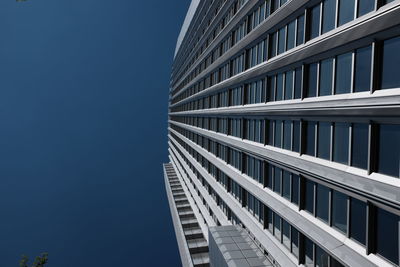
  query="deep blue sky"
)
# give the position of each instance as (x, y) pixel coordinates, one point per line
(83, 110)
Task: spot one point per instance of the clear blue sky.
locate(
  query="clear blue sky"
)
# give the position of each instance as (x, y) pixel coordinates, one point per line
(83, 117)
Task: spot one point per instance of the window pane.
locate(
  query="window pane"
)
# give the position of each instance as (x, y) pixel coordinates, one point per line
(324, 140)
(343, 73)
(270, 215)
(322, 202)
(295, 242)
(339, 211)
(341, 143)
(321, 257)
(309, 252)
(328, 16)
(325, 80)
(310, 138)
(360, 145)
(314, 20)
(279, 87)
(297, 84)
(287, 134)
(286, 233)
(358, 218)
(362, 79)
(387, 235)
(270, 124)
(270, 175)
(312, 80)
(289, 85)
(286, 185)
(300, 30)
(277, 180)
(389, 149)
(309, 199)
(272, 44)
(271, 88)
(346, 11)
(281, 40)
(291, 35)
(277, 226)
(295, 189)
(335, 263)
(390, 65)
(278, 133)
(365, 6)
(296, 136)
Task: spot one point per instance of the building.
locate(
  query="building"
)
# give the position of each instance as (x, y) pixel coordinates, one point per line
(284, 119)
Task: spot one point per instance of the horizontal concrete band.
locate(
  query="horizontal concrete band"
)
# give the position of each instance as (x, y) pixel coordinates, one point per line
(331, 173)
(211, 203)
(266, 239)
(180, 237)
(378, 104)
(344, 38)
(320, 235)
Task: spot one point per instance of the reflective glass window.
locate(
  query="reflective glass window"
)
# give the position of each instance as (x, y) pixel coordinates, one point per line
(387, 235)
(389, 149)
(296, 136)
(309, 199)
(346, 11)
(324, 140)
(341, 142)
(390, 63)
(291, 32)
(281, 40)
(289, 85)
(312, 80)
(277, 180)
(295, 189)
(328, 15)
(359, 150)
(310, 138)
(286, 185)
(339, 211)
(322, 202)
(287, 135)
(325, 79)
(365, 6)
(278, 133)
(297, 83)
(362, 79)
(314, 21)
(343, 73)
(300, 30)
(279, 87)
(358, 220)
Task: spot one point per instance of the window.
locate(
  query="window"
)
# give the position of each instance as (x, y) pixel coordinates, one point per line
(277, 180)
(311, 90)
(390, 61)
(314, 21)
(321, 257)
(343, 73)
(322, 202)
(271, 88)
(286, 185)
(341, 143)
(328, 15)
(362, 79)
(295, 189)
(300, 30)
(296, 136)
(270, 125)
(309, 197)
(365, 6)
(324, 140)
(281, 40)
(289, 85)
(389, 149)
(310, 138)
(297, 83)
(346, 11)
(278, 133)
(272, 44)
(295, 242)
(277, 226)
(339, 211)
(387, 235)
(291, 31)
(358, 219)
(287, 134)
(309, 253)
(359, 148)
(325, 79)
(279, 87)
(286, 233)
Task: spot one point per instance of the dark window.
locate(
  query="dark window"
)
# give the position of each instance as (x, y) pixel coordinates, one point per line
(339, 211)
(387, 235)
(272, 44)
(362, 79)
(314, 21)
(277, 180)
(325, 79)
(309, 255)
(328, 15)
(365, 6)
(295, 189)
(271, 88)
(359, 148)
(341, 143)
(321, 257)
(281, 40)
(309, 199)
(297, 83)
(312, 80)
(286, 184)
(287, 135)
(389, 149)
(300, 30)
(296, 136)
(390, 63)
(277, 226)
(335, 263)
(289, 85)
(291, 30)
(358, 219)
(343, 73)
(270, 124)
(310, 138)
(322, 202)
(279, 87)
(270, 174)
(346, 11)
(286, 233)
(278, 133)
(324, 140)
(295, 242)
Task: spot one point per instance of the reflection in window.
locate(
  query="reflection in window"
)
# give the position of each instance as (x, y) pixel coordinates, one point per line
(346, 11)
(325, 80)
(300, 30)
(289, 85)
(295, 189)
(277, 180)
(358, 217)
(324, 140)
(387, 235)
(341, 143)
(339, 211)
(296, 136)
(328, 16)
(310, 138)
(309, 255)
(309, 199)
(389, 149)
(295, 242)
(279, 87)
(281, 40)
(343, 73)
(390, 61)
(362, 79)
(314, 21)
(287, 134)
(312, 80)
(278, 133)
(359, 148)
(286, 233)
(365, 6)
(322, 202)
(286, 185)
(297, 84)
(321, 257)
(272, 44)
(291, 30)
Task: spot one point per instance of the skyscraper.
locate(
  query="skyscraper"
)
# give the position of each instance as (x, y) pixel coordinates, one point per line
(284, 120)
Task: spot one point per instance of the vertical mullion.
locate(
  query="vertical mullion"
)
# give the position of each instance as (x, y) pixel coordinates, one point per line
(350, 148)
(331, 143)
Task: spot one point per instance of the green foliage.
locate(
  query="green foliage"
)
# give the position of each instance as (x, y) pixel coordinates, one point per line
(40, 261)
